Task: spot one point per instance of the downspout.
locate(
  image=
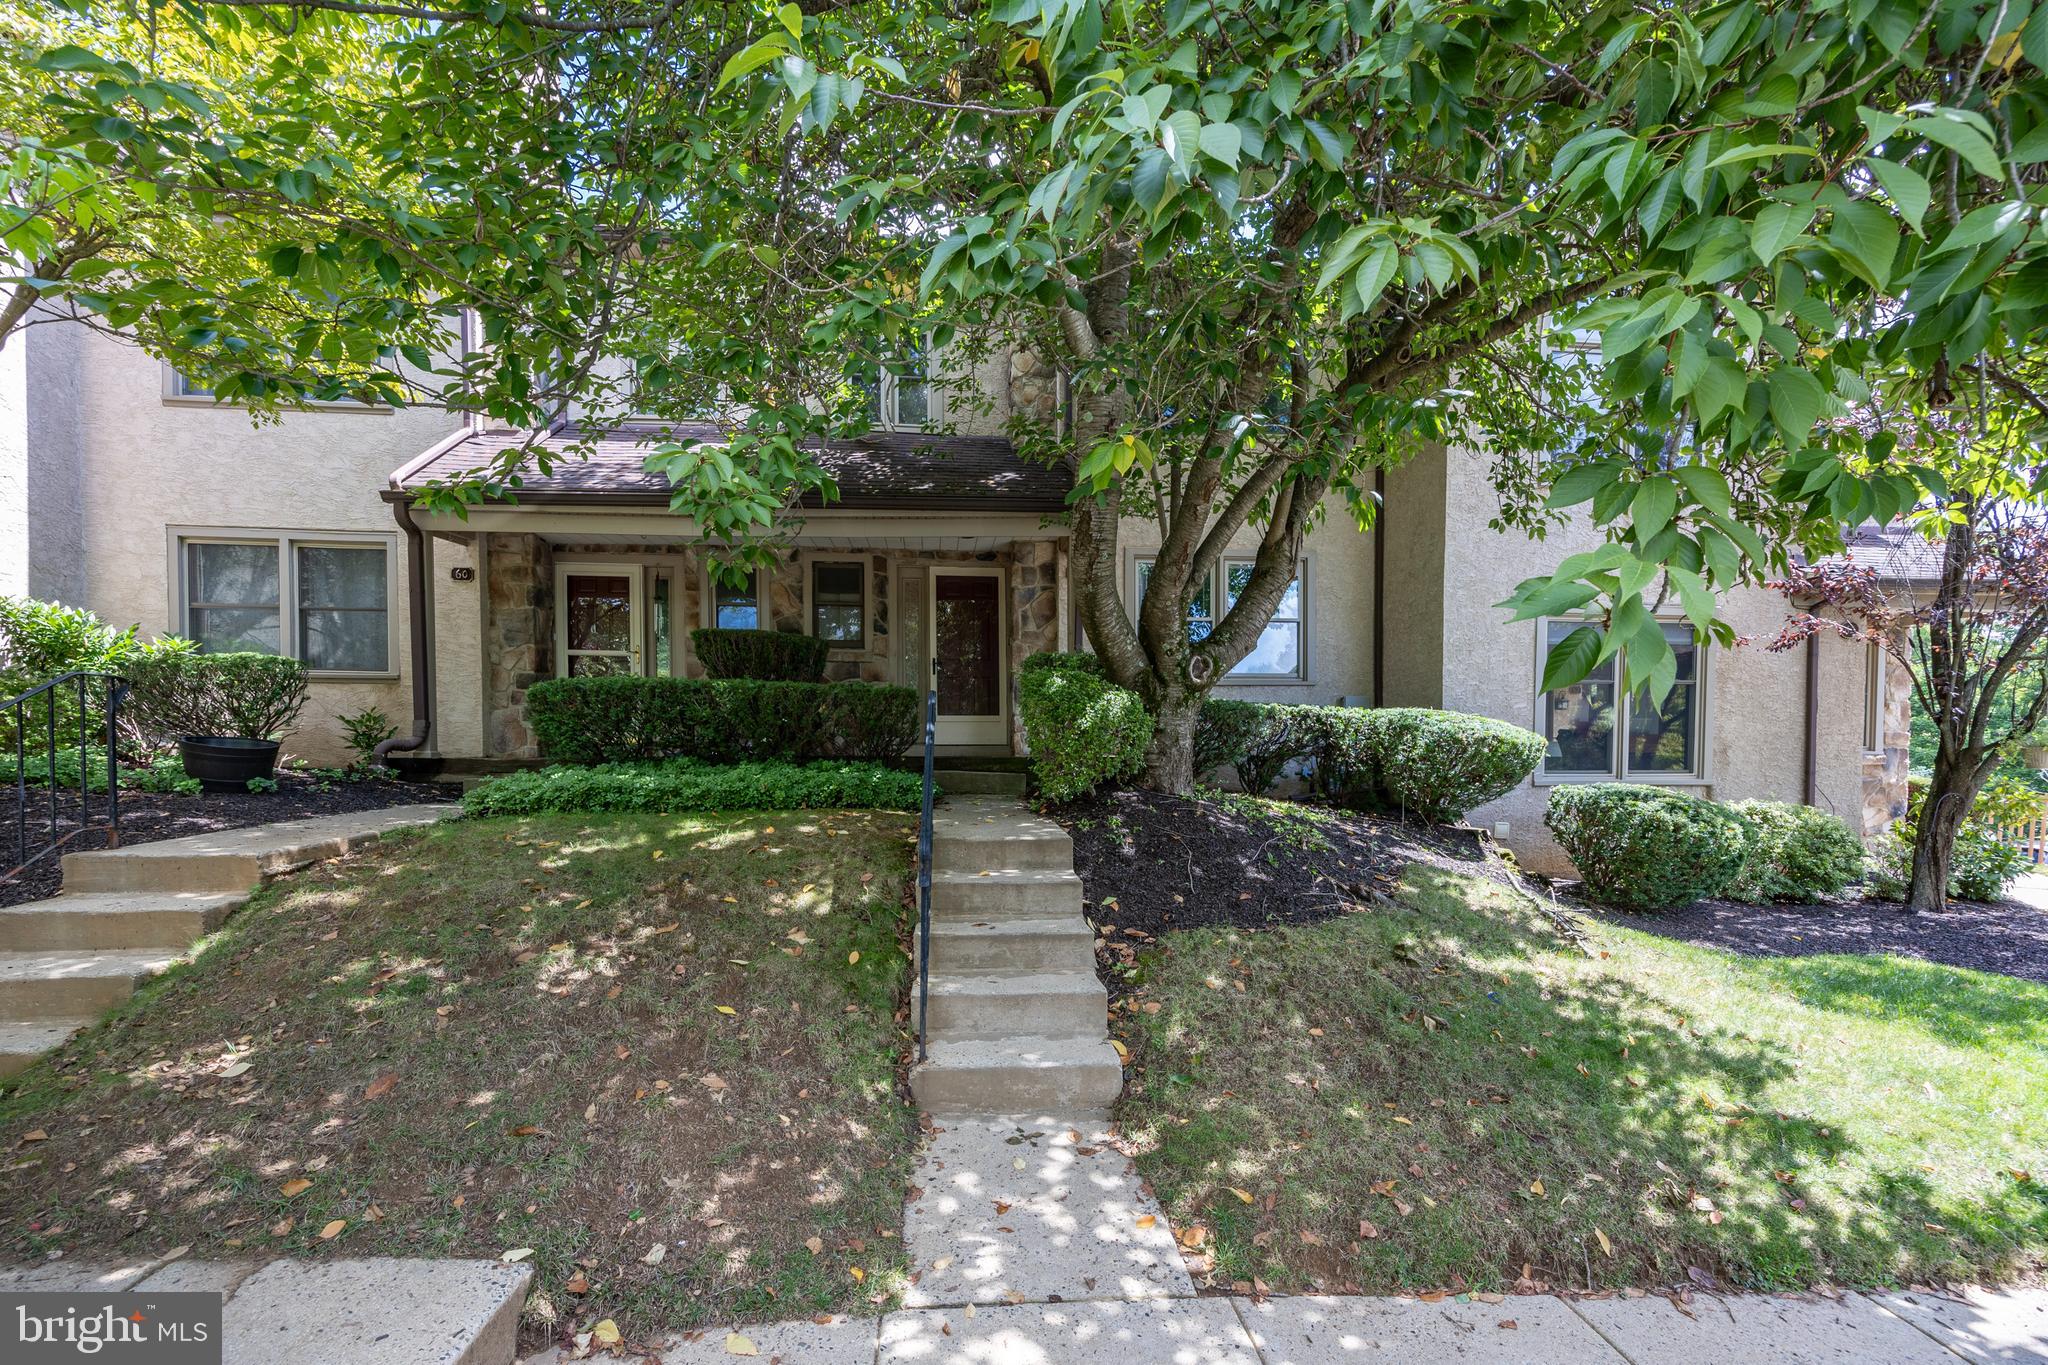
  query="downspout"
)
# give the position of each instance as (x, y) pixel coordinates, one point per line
(422, 668)
(1813, 720)
(1379, 588)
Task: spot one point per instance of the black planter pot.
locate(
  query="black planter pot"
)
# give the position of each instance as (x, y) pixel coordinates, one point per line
(225, 765)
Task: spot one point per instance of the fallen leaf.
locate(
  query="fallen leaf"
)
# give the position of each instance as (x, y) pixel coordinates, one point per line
(606, 1333)
(379, 1088)
(1244, 1196)
(1536, 1188)
(858, 1274)
(35, 1135)
(294, 1187)
(1146, 1220)
(577, 1284)
(519, 1254)
(654, 1254)
(816, 1245)
(1123, 1054)
(280, 1228)
(725, 1009)
(333, 1229)
(853, 957)
(737, 1345)
(233, 1069)
(1605, 1245)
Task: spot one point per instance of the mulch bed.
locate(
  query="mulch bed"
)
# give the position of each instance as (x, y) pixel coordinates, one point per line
(2004, 937)
(1151, 863)
(147, 817)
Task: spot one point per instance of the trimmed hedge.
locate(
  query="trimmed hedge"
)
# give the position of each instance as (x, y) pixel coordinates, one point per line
(718, 720)
(1083, 730)
(248, 696)
(1436, 764)
(1069, 661)
(1646, 848)
(763, 655)
(1796, 853)
(684, 785)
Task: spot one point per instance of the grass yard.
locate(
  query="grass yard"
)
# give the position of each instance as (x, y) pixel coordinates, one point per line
(1449, 1096)
(662, 1052)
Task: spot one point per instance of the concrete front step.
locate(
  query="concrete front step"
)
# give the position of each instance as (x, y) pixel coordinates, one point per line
(1006, 895)
(1033, 943)
(24, 1040)
(1000, 1005)
(976, 834)
(971, 782)
(115, 919)
(58, 985)
(1071, 1077)
(237, 859)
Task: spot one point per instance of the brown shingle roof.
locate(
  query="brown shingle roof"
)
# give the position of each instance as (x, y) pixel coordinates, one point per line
(883, 469)
(1899, 554)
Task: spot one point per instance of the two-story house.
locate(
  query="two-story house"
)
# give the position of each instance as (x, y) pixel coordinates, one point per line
(944, 559)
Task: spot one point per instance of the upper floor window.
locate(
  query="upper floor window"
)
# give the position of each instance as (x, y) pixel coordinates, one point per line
(901, 395)
(182, 387)
(1598, 734)
(839, 602)
(322, 599)
(1281, 652)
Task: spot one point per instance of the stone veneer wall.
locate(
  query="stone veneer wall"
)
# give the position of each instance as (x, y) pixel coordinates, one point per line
(1884, 773)
(519, 637)
(1034, 615)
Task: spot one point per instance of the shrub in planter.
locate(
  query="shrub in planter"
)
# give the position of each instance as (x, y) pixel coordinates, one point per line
(224, 710)
(1645, 848)
(1257, 740)
(1083, 730)
(685, 785)
(765, 655)
(1796, 853)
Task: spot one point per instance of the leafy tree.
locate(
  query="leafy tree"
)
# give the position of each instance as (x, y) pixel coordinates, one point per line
(1972, 642)
(1273, 243)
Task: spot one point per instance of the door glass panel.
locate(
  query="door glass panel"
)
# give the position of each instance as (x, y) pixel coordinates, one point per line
(661, 625)
(968, 634)
(600, 611)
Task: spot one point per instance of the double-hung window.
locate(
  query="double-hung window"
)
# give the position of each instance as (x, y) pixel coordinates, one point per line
(1597, 733)
(900, 392)
(324, 599)
(1281, 653)
(839, 602)
(737, 605)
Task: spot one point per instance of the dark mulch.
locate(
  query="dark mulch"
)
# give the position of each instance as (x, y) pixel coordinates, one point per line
(147, 817)
(2004, 937)
(1151, 862)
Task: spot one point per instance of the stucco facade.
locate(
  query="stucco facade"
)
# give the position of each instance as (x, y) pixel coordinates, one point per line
(104, 476)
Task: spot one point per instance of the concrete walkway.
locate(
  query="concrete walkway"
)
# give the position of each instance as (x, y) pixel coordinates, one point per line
(374, 1311)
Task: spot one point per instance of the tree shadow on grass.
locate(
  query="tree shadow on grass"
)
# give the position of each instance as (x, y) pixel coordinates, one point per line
(1531, 1106)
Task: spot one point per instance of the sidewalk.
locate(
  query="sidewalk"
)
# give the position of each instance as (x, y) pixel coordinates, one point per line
(1033, 1242)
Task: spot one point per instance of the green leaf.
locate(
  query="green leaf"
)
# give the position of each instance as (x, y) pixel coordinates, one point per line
(1372, 277)
(1693, 595)
(1342, 254)
(754, 56)
(1652, 508)
(944, 252)
(1179, 134)
(1797, 401)
(1776, 227)
(1222, 142)
(1906, 187)
(1953, 130)
(1705, 486)
(792, 19)
(1571, 658)
(1864, 236)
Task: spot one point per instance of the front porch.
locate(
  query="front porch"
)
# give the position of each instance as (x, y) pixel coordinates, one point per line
(557, 597)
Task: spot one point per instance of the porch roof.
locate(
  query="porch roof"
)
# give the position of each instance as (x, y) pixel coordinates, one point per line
(883, 470)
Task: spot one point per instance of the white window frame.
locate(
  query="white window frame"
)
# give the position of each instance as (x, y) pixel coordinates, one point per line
(178, 392)
(1304, 569)
(288, 543)
(709, 612)
(805, 563)
(1873, 698)
(639, 616)
(887, 417)
(1701, 774)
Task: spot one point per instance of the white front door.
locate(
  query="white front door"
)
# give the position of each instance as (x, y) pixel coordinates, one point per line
(969, 647)
(599, 623)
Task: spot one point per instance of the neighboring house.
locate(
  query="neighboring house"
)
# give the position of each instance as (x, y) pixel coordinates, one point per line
(944, 560)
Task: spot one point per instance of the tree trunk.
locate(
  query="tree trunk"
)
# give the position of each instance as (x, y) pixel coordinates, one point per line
(1170, 758)
(1934, 849)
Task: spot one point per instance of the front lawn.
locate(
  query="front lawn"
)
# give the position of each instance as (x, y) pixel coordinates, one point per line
(1445, 1094)
(658, 1053)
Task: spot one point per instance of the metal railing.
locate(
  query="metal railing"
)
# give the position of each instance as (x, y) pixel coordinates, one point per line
(924, 873)
(21, 713)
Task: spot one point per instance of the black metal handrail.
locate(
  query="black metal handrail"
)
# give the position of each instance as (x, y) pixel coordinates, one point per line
(18, 709)
(924, 873)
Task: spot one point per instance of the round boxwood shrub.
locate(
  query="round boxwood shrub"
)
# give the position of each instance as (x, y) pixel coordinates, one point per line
(1440, 764)
(1796, 853)
(1083, 731)
(176, 693)
(1645, 848)
(766, 655)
